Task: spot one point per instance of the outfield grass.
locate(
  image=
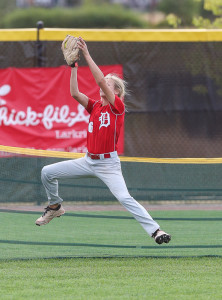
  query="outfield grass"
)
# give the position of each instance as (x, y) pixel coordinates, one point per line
(112, 278)
(194, 233)
(131, 265)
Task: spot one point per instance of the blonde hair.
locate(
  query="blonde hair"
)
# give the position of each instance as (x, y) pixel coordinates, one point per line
(119, 84)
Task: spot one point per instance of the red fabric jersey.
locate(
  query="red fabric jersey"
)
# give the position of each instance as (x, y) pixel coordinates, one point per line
(104, 125)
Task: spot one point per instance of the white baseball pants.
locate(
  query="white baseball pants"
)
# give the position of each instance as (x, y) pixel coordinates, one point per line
(109, 171)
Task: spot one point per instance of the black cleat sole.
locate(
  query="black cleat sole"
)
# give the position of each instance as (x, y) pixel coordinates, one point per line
(164, 238)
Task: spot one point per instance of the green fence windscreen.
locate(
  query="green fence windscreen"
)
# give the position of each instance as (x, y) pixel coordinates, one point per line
(20, 181)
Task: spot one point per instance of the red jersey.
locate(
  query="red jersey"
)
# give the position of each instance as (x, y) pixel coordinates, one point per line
(104, 125)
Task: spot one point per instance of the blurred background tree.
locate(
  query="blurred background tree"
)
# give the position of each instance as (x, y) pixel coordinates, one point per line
(91, 14)
(214, 17)
(6, 6)
(192, 13)
(112, 13)
(180, 12)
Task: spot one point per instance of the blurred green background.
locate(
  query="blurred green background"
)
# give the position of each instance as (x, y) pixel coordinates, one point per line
(111, 13)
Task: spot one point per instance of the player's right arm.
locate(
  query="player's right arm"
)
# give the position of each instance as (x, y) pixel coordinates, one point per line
(74, 90)
(96, 72)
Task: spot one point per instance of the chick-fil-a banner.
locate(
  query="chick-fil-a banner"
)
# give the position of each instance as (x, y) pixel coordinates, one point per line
(37, 110)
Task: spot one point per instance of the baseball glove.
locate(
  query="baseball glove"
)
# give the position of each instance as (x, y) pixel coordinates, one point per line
(70, 50)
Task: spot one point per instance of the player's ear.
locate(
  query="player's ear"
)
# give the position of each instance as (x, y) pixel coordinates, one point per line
(116, 92)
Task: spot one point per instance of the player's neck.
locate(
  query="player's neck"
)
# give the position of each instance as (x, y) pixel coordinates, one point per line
(104, 101)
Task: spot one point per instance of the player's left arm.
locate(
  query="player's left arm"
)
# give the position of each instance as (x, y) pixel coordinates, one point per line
(96, 72)
(74, 90)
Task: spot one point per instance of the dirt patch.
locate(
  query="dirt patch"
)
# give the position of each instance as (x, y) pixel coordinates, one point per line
(116, 207)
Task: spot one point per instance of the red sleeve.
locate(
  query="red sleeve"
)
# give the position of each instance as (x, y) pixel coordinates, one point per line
(90, 105)
(118, 105)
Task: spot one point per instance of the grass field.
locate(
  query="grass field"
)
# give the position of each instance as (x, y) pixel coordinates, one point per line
(107, 255)
(113, 278)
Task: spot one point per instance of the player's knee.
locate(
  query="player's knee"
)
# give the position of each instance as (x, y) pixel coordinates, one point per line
(122, 198)
(44, 173)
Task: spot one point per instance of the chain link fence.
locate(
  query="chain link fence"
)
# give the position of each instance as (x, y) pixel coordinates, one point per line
(174, 109)
(175, 91)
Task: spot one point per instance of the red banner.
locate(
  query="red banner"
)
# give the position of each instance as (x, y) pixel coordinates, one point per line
(37, 111)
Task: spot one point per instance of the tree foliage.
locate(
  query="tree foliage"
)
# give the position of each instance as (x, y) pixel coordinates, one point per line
(195, 13)
(213, 6)
(6, 6)
(103, 16)
(180, 12)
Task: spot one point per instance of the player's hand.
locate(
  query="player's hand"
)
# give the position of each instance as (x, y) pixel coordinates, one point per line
(82, 45)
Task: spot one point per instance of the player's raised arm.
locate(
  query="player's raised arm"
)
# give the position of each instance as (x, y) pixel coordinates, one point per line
(96, 72)
(74, 90)
(70, 51)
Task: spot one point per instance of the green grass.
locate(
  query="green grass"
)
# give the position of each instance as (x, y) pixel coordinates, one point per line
(81, 236)
(131, 265)
(115, 278)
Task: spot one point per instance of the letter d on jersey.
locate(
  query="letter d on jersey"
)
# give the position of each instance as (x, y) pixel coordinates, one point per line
(90, 127)
(104, 120)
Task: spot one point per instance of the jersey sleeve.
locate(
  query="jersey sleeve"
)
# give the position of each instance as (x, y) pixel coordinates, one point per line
(118, 105)
(90, 105)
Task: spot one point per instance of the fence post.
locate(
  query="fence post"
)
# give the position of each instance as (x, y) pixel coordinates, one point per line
(39, 45)
(40, 63)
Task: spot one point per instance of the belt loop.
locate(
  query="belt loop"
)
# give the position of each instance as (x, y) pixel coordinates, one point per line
(101, 156)
(113, 154)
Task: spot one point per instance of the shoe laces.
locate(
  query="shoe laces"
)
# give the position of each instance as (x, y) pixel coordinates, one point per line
(155, 233)
(46, 210)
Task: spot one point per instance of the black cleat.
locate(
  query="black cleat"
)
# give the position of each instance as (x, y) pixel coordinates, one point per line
(161, 237)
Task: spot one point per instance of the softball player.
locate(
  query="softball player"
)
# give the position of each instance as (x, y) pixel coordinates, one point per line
(101, 160)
